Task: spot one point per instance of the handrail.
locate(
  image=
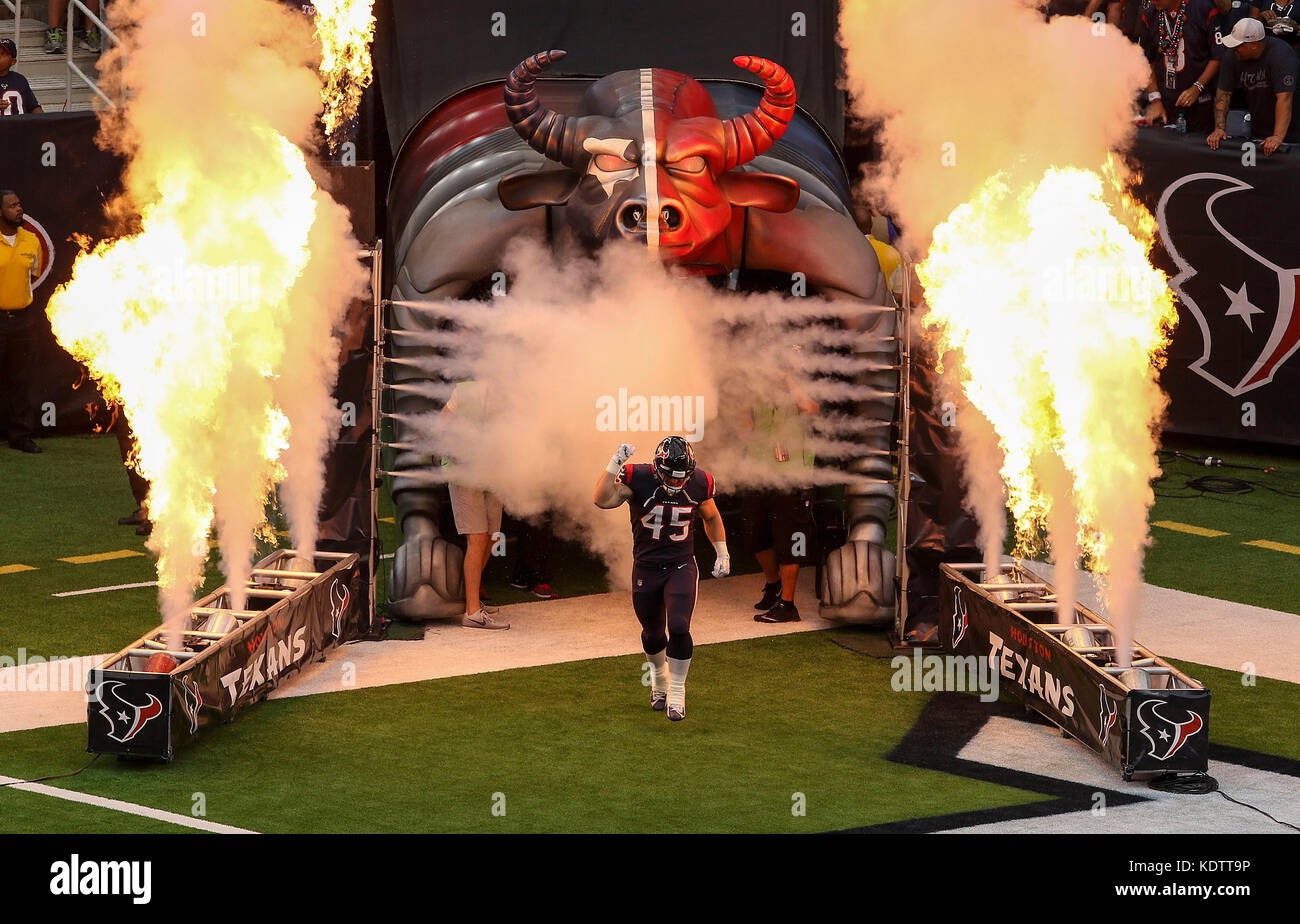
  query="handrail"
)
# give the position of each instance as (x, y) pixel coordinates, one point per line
(72, 68)
(16, 7)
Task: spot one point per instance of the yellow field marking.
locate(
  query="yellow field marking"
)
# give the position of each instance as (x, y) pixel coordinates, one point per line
(102, 556)
(14, 569)
(1275, 546)
(1187, 528)
(386, 520)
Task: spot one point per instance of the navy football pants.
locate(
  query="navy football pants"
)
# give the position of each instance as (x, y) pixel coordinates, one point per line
(664, 600)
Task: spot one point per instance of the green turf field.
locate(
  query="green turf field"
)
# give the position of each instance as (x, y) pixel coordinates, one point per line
(572, 746)
(65, 503)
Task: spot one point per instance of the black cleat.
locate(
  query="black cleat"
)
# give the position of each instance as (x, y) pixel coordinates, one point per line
(771, 595)
(658, 701)
(24, 444)
(784, 611)
(676, 713)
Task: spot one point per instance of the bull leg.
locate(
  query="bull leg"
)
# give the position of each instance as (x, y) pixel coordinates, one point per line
(858, 577)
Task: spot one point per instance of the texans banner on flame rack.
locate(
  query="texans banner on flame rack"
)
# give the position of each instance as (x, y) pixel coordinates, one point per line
(150, 715)
(1230, 241)
(1140, 731)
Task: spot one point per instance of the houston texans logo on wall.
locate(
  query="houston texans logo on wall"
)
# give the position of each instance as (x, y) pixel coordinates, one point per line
(125, 719)
(1166, 736)
(1241, 287)
(47, 248)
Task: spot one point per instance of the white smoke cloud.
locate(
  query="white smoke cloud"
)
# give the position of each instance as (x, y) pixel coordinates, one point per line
(575, 338)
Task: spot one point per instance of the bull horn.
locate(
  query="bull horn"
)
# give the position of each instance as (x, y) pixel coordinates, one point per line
(546, 131)
(750, 135)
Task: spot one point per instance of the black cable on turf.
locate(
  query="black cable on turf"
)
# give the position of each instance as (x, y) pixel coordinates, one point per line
(1187, 784)
(60, 776)
(1285, 824)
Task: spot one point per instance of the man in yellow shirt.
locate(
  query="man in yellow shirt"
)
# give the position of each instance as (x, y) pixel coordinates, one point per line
(20, 263)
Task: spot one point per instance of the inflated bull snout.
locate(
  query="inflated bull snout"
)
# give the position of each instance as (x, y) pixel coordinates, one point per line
(632, 218)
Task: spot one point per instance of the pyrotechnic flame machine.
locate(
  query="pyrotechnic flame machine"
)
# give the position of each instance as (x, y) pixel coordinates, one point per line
(1133, 707)
(172, 680)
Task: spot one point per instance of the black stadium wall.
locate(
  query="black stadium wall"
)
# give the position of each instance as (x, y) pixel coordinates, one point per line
(426, 50)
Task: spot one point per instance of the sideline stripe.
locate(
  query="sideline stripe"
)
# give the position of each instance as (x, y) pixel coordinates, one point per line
(1275, 546)
(14, 569)
(1187, 528)
(100, 590)
(102, 556)
(130, 808)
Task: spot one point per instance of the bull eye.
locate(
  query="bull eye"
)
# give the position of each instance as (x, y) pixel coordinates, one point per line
(612, 162)
(693, 164)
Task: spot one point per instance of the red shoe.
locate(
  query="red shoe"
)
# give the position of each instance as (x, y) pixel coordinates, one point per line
(544, 591)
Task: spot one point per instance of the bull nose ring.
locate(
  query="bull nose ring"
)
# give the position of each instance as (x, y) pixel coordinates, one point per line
(632, 217)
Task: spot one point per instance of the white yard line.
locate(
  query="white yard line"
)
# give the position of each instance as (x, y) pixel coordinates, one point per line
(100, 590)
(130, 808)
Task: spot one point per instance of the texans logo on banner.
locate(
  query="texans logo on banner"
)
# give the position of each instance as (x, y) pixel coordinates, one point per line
(1166, 736)
(960, 621)
(47, 248)
(339, 597)
(193, 701)
(125, 719)
(1247, 305)
(1108, 715)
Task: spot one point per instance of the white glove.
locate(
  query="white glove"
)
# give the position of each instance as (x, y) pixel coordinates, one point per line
(616, 461)
(722, 566)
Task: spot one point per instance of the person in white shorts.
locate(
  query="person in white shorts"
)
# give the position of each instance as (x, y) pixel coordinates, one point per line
(477, 512)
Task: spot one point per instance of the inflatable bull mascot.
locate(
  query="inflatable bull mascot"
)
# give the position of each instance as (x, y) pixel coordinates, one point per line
(649, 160)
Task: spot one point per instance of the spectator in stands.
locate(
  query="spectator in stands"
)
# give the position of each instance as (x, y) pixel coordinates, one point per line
(16, 96)
(1182, 39)
(1114, 9)
(1282, 19)
(477, 511)
(20, 263)
(1266, 70)
(56, 37)
(1233, 11)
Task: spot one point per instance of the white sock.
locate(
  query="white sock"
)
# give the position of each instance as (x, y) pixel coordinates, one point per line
(658, 672)
(677, 670)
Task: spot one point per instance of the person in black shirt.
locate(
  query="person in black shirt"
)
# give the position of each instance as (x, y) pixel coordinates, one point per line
(1282, 19)
(16, 96)
(1232, 12)
(662, 501)
(1266, 70)
(1182, 39)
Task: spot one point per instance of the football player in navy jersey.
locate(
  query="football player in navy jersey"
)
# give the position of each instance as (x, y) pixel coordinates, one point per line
(662, 501)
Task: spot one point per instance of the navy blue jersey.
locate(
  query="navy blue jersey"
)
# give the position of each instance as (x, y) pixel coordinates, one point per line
(16, 96)
(1177, 68)
(662, 520)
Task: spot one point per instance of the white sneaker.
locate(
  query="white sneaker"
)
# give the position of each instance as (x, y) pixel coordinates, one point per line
(483, 620)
